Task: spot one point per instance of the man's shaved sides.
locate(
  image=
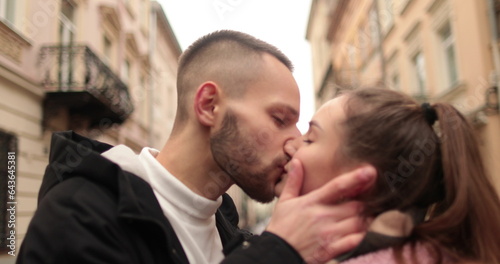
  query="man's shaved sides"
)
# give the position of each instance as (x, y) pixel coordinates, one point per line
(229, 58)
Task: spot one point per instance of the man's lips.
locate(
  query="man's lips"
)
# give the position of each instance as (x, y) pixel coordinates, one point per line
(284, 172)
(287, 167)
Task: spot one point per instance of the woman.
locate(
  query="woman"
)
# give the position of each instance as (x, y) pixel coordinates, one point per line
(432, 201)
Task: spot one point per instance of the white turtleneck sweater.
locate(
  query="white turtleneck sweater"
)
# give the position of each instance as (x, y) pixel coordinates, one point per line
(191, 215)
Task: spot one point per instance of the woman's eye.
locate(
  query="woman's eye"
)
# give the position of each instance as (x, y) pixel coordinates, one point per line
(308, 141)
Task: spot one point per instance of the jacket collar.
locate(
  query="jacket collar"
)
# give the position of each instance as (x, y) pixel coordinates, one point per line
(72, 155)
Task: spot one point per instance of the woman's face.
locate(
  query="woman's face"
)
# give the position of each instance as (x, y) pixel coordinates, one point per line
(319, 149)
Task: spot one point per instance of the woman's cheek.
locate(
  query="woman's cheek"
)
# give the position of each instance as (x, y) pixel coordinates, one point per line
(309, 181)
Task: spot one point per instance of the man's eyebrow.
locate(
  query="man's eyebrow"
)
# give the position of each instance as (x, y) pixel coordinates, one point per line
(314, 123)
(287, 109)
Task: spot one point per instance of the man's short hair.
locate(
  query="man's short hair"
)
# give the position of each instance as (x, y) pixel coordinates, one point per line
(229, 58)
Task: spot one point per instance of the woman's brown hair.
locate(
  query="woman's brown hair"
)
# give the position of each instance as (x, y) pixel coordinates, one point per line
(425, 167)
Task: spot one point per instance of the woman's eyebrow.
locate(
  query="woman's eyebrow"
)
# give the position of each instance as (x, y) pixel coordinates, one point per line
(314, 123)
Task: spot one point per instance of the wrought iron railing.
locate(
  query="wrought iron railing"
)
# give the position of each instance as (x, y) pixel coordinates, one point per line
(75, 68)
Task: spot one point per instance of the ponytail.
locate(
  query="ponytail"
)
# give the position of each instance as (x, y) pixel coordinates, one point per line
(468, 219)
(426, 156)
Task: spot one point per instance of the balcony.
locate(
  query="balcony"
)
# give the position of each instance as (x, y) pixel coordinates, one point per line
(82, 88)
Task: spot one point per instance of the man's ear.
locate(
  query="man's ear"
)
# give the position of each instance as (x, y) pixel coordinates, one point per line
(205, 102)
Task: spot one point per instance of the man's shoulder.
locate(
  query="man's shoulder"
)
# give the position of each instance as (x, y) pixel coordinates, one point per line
(72, 155)
(79, 189)
(73, 209)
(60, 140)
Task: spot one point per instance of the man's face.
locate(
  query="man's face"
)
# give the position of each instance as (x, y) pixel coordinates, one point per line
(249, 145)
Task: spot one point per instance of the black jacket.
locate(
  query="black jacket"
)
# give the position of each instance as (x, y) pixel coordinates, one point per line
(91, 211)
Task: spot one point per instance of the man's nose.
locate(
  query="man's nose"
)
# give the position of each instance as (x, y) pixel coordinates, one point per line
(292, 145)
(293, 134)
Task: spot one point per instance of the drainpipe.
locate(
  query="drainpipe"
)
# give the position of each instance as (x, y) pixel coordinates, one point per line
(494, 44)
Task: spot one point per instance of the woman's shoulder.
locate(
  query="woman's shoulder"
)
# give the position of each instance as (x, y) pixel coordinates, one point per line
(412, 253)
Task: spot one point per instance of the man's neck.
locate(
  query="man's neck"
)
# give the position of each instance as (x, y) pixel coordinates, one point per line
(187, 157)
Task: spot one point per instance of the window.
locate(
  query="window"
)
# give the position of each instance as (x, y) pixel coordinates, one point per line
(8, 144)
(125, 71)
(67, 27)
(107, 47)
(393, 69)
(328, 87)
(448, 56)
(363, 43)
(374, 36)
(395, 82)
(143, 13)
(66, 34)
(403, 5)
(386, 15)
(130, 7)
(144, 101)
(419, 69)
(351, 50)
(389, 6)
(8, 10)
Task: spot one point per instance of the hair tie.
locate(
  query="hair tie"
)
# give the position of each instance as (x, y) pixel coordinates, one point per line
(429, 113)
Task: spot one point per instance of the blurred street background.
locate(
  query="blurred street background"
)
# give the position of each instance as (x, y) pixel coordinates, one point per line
(106, 69)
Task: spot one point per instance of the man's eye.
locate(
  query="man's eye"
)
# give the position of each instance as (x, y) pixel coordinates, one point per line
(308, 141)
(279, 121)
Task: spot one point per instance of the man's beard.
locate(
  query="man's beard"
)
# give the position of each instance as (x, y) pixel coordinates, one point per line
(237, 155)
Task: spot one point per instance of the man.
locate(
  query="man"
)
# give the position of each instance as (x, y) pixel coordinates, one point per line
(238, 105)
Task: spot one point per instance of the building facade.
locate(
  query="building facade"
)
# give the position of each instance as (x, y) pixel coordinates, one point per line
(433, 50)
(103, 68)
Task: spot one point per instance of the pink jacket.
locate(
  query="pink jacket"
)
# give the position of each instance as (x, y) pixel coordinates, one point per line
(386, 256)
